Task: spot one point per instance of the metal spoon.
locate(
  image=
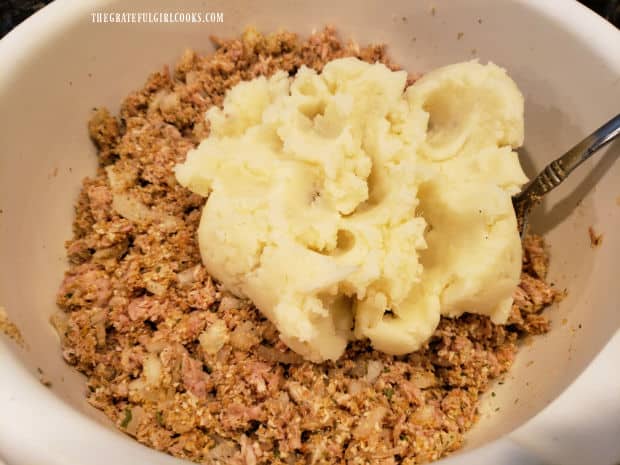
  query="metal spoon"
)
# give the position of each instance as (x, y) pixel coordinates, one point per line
(558, 170)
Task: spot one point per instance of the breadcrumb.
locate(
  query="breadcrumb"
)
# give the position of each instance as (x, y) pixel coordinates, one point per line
(9, 329)
(595, 239)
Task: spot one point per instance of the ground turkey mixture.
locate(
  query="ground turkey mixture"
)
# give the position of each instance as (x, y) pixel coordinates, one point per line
(186, 368)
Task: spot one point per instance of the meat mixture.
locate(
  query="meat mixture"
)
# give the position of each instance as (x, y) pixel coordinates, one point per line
(190, 370)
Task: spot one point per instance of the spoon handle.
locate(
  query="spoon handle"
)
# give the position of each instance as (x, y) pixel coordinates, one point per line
(558, 170)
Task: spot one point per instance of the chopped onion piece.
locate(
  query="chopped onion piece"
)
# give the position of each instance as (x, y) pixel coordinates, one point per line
(370, 422)
(152, 369)
(214, 337)
(374, 370)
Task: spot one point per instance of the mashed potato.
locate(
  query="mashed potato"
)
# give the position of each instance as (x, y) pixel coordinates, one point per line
(345, 206)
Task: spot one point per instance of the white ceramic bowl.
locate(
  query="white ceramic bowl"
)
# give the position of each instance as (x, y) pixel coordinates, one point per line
(58, 65)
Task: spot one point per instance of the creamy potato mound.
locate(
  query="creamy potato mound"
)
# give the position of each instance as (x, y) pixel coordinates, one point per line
(346, 205)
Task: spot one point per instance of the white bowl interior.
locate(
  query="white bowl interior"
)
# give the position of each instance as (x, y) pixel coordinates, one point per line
(52, 78)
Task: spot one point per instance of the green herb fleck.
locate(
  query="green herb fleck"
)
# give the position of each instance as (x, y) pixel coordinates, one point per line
(160, 417)
(276, 453)
(208, 369)
(493, 394)
(497, 409)
(389, 392)
(68, 295)
(386, 369)
(158, 269)
(403, 437)
(127, 418)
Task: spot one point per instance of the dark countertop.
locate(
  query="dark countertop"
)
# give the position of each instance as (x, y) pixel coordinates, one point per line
(13, 12)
